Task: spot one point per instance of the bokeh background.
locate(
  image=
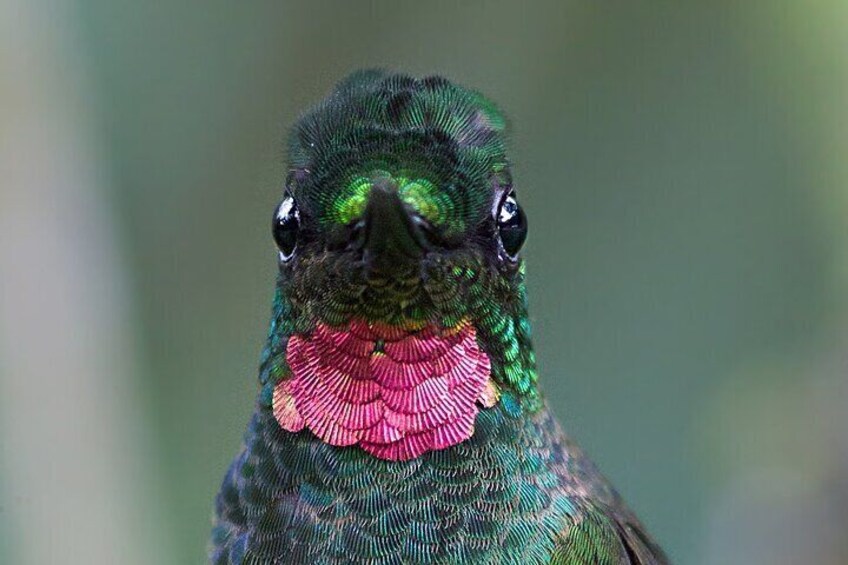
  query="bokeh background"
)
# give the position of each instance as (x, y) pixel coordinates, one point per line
(683, 166)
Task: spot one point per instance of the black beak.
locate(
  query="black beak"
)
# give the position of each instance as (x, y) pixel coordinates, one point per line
(393, 233)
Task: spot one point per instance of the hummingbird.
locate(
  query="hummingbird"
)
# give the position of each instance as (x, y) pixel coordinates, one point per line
(398, 418)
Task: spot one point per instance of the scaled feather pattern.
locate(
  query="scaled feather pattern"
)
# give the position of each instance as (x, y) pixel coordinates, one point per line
(395, 393)
(399, 418)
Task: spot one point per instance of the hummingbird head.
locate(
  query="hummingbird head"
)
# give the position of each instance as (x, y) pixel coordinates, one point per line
(399, 226)
(397, 184)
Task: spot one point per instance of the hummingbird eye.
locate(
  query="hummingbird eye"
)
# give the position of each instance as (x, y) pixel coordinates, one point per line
(512, 225)
(285, 226)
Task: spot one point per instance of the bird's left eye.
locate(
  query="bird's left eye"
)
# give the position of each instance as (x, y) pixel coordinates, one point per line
(512, 225)
(286, 226)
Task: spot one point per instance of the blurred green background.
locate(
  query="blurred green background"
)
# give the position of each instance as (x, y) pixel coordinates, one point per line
(683, 166)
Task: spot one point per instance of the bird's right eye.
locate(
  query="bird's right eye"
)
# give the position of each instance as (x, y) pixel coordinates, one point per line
(286, 226)
(512, 225)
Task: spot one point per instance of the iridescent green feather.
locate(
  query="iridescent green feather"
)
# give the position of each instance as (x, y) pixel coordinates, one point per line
(518, 491)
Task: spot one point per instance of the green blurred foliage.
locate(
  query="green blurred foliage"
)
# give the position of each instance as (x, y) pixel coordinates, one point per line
(667, 153)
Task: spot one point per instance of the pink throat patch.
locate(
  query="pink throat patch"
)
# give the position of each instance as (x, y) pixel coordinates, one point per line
(396, 393)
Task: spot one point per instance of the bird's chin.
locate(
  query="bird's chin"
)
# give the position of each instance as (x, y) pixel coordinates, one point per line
(335, 287)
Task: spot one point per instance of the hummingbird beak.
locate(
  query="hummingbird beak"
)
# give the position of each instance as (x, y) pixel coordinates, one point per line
(393, 232)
